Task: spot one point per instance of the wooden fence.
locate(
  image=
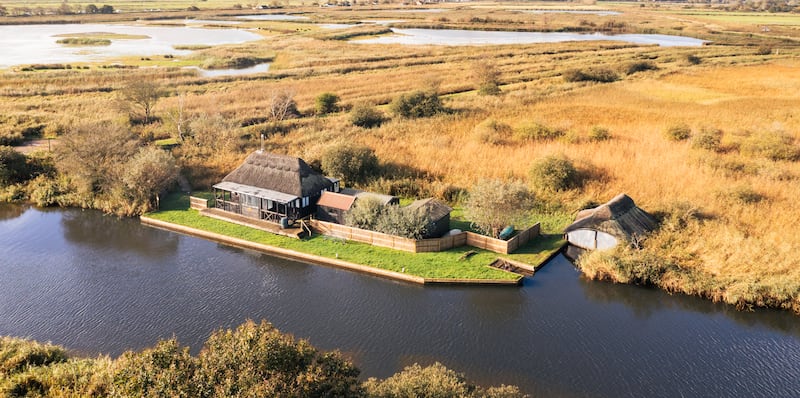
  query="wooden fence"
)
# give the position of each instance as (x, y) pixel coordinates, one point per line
(198, 203)
(425, 245)
(390, 241)
(503, 246)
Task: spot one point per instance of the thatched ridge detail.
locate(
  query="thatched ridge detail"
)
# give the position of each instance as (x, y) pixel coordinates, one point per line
(279, 173)
(619, 217)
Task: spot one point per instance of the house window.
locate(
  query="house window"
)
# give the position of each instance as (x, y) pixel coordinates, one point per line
(305, 201)
(250, 200)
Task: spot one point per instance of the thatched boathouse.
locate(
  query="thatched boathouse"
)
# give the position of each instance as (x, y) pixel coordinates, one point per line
(607, 225)
(272, 187)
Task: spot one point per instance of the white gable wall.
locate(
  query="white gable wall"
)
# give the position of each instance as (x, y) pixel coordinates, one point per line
(591, 239)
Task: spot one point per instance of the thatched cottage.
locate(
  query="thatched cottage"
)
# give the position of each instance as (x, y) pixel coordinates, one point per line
(272, 187)
(605, 226)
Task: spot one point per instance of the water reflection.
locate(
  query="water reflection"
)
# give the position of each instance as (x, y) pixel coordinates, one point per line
(10, 212)
(104, 232)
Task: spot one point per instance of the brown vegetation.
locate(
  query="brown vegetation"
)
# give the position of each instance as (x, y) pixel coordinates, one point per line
(740, 107)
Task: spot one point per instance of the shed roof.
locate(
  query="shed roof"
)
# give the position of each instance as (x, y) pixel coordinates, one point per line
(257, 192)
(434, 208)
(619, 217)
(279, 173)
(359, 194)
(336, 200)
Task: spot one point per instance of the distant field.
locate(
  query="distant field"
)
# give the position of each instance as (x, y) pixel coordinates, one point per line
(746, 18)
(128, 5)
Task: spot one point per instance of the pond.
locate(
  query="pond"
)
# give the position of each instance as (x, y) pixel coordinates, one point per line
(272, 17)
(36, 44)
(230, 72)
(452, 37)
(101, 284)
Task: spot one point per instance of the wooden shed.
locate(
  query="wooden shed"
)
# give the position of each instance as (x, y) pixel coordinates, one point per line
(607, 225)
(269, 186)
(359, 194)
(333, 206)
(438, 215)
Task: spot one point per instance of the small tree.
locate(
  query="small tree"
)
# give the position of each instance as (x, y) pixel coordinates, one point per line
(488, 77)
(350, 162)
(281, 105)
(139, 98)
(400, 221)
(327, 103)
(554, 173)
(493, 204)
(364, 214)
(366, 115)
(148, 173)
(13, 167)
(417, 104)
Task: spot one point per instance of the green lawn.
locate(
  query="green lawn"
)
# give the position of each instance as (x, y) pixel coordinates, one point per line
(175, 209)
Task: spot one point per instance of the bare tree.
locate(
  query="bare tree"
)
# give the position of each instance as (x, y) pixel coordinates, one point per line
(139, 98)
(281, 105)
(180, 118)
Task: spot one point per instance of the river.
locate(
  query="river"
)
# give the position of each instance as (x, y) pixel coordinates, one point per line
(100, 284)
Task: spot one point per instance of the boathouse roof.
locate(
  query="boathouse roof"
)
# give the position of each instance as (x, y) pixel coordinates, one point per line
(268, 173)
(619, 217)
(336, 200)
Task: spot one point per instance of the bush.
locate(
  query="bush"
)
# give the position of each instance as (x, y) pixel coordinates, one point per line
(353, 164)
(365, 115)
(774, 145)
(401, 221)
(742, 195)
(435, 381)
(764, 50)
(600, 75)
(327, 103)
(678, 132)
(13, 166)
(417, 104)
(16, 355)
(493, 132)
(364, 214)
(554, 173)
(598, 133)
(493, 205)
(537, 132)
(692, 59)
(708, 139)
(638, 66)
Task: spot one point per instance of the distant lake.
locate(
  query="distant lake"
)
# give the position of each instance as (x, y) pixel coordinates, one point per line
(36, 44)
(578, 12)
(452, 37)
(272, 17)
(101, 284)
(230, 72)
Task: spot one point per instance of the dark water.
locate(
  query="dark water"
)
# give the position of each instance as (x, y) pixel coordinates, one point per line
(99, 284)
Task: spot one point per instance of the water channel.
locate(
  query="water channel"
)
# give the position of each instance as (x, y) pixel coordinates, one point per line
(99, 284)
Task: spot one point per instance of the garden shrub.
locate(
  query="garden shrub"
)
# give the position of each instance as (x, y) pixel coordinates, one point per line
(327, 103)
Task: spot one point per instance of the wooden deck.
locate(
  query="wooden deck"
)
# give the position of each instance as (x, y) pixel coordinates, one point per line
(263, 225)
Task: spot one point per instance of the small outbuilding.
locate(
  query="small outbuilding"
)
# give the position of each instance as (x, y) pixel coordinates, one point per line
(438, 215)
(607, 225)
(332, 207)
(272, 187)
(359, 194)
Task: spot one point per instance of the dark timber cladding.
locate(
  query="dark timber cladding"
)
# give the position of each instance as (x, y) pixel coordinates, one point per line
(271, 186)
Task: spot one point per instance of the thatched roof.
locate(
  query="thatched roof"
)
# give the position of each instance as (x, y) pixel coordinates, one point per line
(434, 209)
(279, 173)
(619, 217)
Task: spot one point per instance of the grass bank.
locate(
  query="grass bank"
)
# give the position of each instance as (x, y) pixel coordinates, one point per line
(444, 265)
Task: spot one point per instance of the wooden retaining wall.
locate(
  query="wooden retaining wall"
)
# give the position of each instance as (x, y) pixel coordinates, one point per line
(198, 203)
(503, 246)
(311, 258)
(384, 240)
(425, 245)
